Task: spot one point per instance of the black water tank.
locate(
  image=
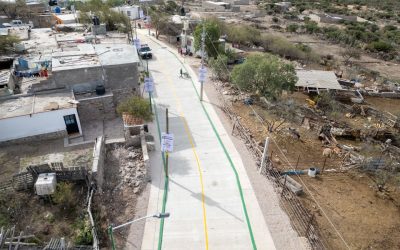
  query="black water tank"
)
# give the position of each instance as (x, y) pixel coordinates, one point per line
(100, 89)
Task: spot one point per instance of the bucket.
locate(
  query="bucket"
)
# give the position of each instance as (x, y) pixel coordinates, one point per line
(312, 172)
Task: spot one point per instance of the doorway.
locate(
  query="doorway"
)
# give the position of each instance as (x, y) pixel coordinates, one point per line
(71, 124)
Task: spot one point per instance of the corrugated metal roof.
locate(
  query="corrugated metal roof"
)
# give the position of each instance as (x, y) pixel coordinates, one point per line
(317, 79)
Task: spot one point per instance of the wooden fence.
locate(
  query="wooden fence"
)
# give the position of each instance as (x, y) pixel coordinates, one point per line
(26, 180)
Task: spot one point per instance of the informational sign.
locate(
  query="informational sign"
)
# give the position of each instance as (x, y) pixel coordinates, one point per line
(148, 85)
(136, 42)
(202, 74)
(167, 142)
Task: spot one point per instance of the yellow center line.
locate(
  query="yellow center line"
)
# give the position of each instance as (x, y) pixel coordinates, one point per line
(190, 137)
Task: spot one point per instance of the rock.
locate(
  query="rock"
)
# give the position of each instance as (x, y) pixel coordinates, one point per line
(132, 155)
(136, 190)
(130, 165)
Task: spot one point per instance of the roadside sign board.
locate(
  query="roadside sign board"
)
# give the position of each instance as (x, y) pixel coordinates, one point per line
(167, 142)
(136, 42)
(202, 74)
(148, 85)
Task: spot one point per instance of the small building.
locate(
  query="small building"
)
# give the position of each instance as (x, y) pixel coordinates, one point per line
(42, 116)
(332, 18)
(131, 11)
(239, 2)
(215, 6)
(316, 80)
(282, 6)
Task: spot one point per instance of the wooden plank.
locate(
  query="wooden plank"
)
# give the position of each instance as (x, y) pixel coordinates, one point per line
(12, 237)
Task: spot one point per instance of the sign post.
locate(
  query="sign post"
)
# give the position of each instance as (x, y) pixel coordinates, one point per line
(202, 78)
(167, 143)
(149, 87)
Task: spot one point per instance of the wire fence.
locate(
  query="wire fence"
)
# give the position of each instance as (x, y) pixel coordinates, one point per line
(303, 221)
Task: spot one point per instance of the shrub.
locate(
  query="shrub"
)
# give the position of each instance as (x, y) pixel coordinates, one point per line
(64, 195)
(275, 19)
(137, 107)
(379, 46)
(293, 27)
(219, 67)
(311, 27)
(83, 233)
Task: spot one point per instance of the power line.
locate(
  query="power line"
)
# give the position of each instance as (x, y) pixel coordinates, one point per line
(280, 150)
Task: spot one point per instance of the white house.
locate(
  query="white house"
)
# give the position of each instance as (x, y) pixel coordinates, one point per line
(133, 12)
(39, 116)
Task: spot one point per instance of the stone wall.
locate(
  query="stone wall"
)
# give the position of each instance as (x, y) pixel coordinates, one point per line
(99, 152)
(36, 138)
(97, 108)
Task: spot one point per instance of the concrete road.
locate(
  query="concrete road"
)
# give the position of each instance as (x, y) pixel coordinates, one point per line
(210, 198)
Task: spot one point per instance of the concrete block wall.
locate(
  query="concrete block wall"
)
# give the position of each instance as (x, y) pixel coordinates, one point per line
(97, 108)
(122, 76)
(36, 138)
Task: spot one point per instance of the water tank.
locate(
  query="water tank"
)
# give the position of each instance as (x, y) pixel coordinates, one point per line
(100, 89)
(46, 184)
(57, 10)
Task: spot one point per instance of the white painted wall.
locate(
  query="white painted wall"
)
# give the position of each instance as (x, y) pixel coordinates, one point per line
(35, 124)
(131, 11)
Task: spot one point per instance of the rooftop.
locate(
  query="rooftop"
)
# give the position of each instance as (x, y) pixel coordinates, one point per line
(317, 79)
(35, 104)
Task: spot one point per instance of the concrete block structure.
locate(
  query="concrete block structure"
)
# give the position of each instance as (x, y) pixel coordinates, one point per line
(38, 117)
(332, 18)
(81, 70)
(215, 6)
(131, 11)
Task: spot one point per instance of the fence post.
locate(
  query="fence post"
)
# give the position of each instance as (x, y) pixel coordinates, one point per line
(297, 163)
(284, 185)
(323, 167)
(264, 156)
(309, 225)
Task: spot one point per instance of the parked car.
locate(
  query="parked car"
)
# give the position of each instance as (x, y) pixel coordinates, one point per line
(17, 23)
(145, 52)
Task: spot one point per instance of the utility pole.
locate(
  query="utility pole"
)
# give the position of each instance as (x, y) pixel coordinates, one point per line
(166, 152)
(203, 38)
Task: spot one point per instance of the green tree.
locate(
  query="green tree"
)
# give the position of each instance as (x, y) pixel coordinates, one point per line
(18, 9)
(160, 22)
(7, 43)
(265, 74)
(213, 34)
(113, 19)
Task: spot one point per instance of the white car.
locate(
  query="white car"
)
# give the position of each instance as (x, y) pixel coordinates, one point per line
(17, 23)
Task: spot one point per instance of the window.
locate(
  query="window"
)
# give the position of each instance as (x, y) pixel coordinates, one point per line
(128, 13)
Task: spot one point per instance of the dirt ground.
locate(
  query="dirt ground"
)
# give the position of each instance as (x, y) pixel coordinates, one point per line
(365, 218)
(125, 179)
(44, 219)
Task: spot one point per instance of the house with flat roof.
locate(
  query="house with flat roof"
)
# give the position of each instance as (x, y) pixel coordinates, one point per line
(317, 80)
(41, 116)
